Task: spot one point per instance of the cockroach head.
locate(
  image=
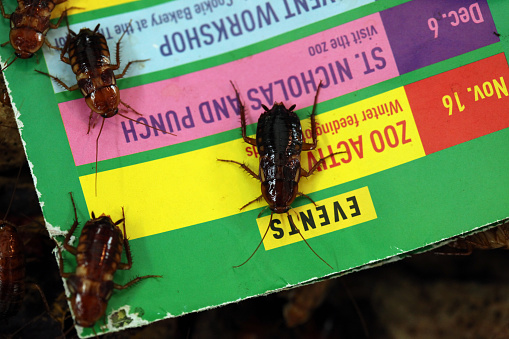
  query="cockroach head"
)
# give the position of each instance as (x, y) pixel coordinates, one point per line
(104, 101)
(279, 194)
(103, 219)
(278, 105)
(110, 113)
(280, 209)
(87, 309)
(26, 42)
(88, 304)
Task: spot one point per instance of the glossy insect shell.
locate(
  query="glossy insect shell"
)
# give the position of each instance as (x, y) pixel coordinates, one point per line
(90, 61)
(98, 255)
(279, 143)
(12, 270)
(29, 25)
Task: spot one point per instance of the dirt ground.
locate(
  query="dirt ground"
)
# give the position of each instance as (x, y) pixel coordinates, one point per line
(425, 296)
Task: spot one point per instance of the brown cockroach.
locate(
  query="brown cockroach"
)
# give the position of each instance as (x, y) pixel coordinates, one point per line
(30, 23)
(279, 142)
(89, 58)
(494, 238)
(12, 270)
(12, 267)
(98, 257)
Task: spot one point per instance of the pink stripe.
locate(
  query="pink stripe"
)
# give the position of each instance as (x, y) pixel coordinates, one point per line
(286, 65)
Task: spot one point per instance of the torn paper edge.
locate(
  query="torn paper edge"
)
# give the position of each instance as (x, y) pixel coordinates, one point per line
(52, 230)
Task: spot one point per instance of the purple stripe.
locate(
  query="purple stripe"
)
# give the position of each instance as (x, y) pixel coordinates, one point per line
(424, 32)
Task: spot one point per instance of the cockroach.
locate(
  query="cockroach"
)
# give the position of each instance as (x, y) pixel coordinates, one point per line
(494, 238)
(12, 270)
(98, 257)
(89, 58)
(12, 267)
(279, 141)
(30, 23)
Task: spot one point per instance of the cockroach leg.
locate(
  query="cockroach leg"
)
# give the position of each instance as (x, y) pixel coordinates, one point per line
(61, 263)
(65, 49)
(134, 111)
(311, 146)
(60, 82)
(300, 194)
(62, 16)
(244, 166)
(242, 112)
(121, 75)
(47, 43)
(7, 62)
(43, 297)
(5, 15)
(127, 248)
(318, 163)
(129, 264)
(134, 281)
(117, 57)
(117, 48)
(71, 249)
(91, 121)
(259, 199)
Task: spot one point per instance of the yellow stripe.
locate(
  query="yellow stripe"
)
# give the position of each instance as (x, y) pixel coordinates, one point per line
(192, 188)
(329, 215)
(174, 192)
(86, 6)
(362, 158)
